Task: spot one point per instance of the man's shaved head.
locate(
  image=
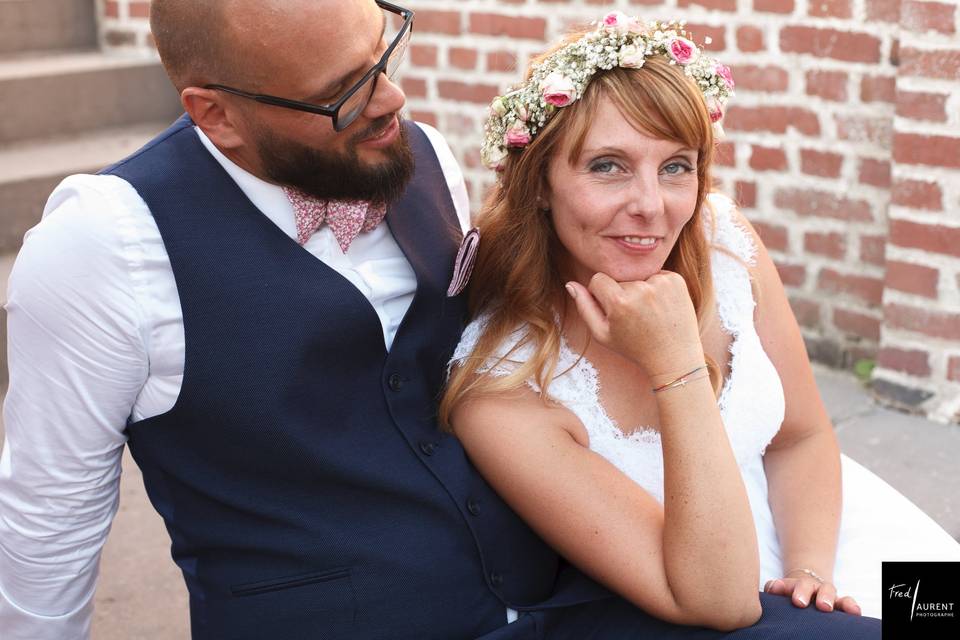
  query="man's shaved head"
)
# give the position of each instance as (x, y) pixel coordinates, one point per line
(190, 37)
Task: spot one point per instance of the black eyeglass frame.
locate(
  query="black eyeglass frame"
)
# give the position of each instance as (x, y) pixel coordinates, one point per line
(333, 110)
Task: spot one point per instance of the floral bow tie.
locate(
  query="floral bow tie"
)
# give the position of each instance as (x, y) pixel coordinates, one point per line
(346, 219)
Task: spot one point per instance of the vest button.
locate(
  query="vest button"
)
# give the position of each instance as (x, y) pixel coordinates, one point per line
(428, 448)
(473, 506)
(496, 579)
(395, 381)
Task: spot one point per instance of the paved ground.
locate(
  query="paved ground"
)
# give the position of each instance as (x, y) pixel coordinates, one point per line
(141, 595)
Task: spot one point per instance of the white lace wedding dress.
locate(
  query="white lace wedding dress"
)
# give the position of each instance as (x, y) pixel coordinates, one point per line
(877, 522)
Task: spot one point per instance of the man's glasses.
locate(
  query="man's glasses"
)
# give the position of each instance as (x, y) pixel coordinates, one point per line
(351, 104)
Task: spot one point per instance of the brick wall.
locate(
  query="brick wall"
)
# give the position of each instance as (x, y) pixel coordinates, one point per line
(843, 149)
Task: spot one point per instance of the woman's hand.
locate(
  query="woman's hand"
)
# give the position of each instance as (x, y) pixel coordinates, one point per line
(651, 322)
(804, 588)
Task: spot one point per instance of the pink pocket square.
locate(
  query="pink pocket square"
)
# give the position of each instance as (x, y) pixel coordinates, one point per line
(463, 265)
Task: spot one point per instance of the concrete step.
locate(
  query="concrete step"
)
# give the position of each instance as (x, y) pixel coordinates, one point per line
(65, 93)
(32, 25)
(30, 171)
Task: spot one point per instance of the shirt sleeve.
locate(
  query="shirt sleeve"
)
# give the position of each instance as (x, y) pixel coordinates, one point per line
(453, 174)
(77, 361)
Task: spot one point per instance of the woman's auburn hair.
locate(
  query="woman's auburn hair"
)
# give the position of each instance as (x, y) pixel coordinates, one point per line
(516, 282)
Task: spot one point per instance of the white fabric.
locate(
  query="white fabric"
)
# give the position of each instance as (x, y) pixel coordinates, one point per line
(877, 522)
(95, 339)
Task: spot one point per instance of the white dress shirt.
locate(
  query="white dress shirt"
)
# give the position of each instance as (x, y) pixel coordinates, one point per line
(95, 341)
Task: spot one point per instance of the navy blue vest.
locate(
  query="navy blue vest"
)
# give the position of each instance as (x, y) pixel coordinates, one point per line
(303, 480)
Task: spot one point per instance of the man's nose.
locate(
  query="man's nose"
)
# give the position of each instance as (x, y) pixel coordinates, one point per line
(386, 99)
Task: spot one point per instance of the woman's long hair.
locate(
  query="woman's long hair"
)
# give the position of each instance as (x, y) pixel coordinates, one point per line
(516, 281)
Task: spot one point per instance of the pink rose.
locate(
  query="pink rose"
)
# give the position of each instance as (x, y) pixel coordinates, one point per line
(723, 71)
(682, 50)
(517, 135)
(617, 21)
(716, 111)
(558, 89)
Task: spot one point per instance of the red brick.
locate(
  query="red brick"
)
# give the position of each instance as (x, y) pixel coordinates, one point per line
(716, 5)
(917, 194)
(936, 324)
(495, 24)
(829, 8)
(717, 35)
(820, 163)
(773, 119)
(866, 288)
(423, 55)
(807, 202)
(414, 87)
(807, 312)
(725, 154)
(912, 278)
(773, 236)
(767, 78)
(792, 275)
(878, 89)
(912, 361)
(112, 9)
(919, 105)
(858, 324)
(427, 117)
(832, 245)
(873, 249)
(830, 85)
(943, 63)
(927, 16)
(767, 159)
(502, 61)
(461, 58)
(883, 10)
(936, 151)
(138, 9)
(859, 128)
(830, 43)
(929, 237)
(750, 39)
(746, 194)
(467, 91)
(953, 369)
(120, 37)
(875, 172)
(773, 6)
(431, 21)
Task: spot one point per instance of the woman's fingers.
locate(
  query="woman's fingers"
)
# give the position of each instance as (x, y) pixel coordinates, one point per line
(826, 597)
(848, 605)
(605, 290)
(590, 311)
(803, 591)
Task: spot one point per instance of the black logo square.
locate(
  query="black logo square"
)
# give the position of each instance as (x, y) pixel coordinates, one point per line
(921, 600)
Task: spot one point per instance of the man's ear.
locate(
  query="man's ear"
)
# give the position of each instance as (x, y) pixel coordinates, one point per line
(212, 112)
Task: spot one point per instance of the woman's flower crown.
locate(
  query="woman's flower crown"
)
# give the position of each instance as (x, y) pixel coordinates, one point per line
(561, 78)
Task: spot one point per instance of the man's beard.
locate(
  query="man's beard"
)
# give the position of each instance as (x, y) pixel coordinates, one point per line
(338, 175)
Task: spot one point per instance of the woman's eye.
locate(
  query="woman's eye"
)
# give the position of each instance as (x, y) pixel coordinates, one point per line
(677, 168)
(603, 166)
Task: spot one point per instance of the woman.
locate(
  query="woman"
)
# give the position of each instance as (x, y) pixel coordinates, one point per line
(631, 329)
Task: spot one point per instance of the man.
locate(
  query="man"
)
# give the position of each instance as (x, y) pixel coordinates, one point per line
(231, 303)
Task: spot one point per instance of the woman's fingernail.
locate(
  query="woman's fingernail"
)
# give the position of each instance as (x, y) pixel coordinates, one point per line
(802, 602)
(829, 604)
(572, 291)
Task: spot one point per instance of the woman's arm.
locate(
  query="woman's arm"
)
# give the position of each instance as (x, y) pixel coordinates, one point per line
(802, 462)
(692, 561)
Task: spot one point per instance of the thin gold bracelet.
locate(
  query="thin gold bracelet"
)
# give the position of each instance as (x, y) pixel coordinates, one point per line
(810, 572)
(681, 381)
